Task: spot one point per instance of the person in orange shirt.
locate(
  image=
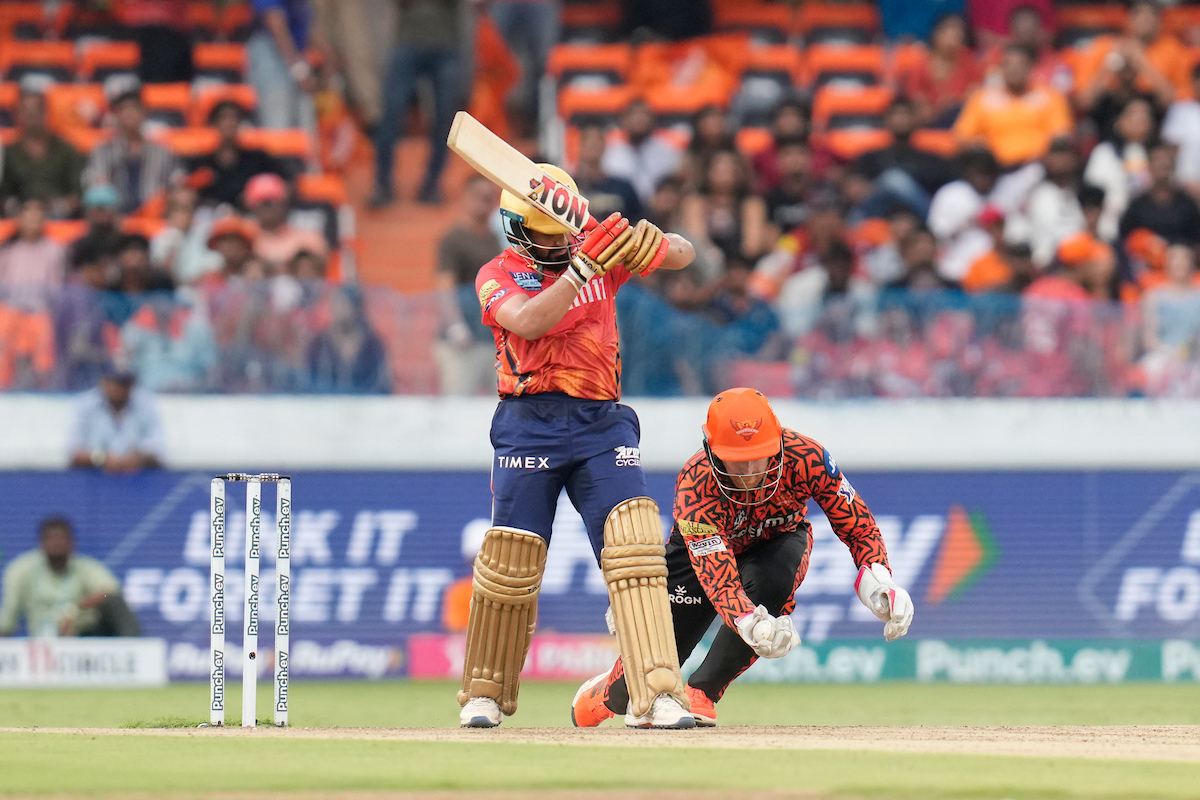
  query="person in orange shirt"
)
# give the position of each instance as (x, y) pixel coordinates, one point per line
(1016, 120)
(1161, 61)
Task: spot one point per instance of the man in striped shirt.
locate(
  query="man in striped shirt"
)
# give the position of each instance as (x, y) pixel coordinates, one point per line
(136, 168)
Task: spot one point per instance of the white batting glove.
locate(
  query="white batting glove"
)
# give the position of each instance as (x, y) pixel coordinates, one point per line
(887, 601)
(768, 636)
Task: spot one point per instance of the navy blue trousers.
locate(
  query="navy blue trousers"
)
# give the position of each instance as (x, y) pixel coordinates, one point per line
(547, 442)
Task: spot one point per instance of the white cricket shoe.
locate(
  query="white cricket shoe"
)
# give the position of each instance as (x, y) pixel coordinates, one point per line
(665, 712)
(480, 712)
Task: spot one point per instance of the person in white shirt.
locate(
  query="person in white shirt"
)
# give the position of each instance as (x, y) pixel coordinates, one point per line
(1053, 212)
(1121, 165)
(116, 427)
(640, 154)
(1182, 128)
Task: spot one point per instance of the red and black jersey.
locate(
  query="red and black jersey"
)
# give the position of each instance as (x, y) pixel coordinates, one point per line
(716, 529)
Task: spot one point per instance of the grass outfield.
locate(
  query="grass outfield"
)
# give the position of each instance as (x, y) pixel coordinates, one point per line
(183, 766)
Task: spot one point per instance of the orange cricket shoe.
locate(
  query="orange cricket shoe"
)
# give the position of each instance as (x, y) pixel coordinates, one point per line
(703, 709)
(588, 709)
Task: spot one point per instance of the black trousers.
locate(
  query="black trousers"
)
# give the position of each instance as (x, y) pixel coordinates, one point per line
(116, 619)
(770, 572)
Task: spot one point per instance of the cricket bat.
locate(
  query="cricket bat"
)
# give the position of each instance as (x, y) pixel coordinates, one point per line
(505, 166)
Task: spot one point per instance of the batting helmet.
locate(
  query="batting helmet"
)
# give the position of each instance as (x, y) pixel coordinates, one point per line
(518, 216)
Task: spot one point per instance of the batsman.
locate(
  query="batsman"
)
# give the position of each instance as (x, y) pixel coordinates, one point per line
(740, 548)
(550, 300)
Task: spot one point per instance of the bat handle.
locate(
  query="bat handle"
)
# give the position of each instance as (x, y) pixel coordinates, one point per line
(591, 223)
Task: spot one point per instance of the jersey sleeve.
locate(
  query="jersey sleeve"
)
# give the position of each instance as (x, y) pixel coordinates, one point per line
(495, 287)
(703, 526)
(852, 521)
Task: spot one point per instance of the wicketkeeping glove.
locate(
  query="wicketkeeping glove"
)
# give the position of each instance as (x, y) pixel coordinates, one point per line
(780, 634)
(887, 601)
(601, 249)
(647, 249)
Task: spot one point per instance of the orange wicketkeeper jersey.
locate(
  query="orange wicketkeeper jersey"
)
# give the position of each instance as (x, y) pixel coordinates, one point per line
(579, 356)
(716, 530)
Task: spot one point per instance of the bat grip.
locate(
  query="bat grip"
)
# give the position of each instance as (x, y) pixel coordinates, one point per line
(591, 223)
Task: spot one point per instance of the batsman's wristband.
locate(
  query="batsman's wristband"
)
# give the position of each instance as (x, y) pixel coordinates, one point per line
(579, 272)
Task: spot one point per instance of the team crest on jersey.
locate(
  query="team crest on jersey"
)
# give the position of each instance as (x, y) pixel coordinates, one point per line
(746, 429)
(527, 281)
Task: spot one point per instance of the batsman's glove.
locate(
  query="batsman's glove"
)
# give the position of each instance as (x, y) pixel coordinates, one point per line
(647, 249)
(601, 250)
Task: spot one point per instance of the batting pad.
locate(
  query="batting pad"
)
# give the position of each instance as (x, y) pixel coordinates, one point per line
(635, 568)
(508, 575)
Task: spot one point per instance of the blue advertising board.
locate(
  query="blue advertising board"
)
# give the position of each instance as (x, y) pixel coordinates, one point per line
(1015, 556)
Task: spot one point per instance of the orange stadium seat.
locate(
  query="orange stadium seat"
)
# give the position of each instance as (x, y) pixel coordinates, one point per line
(852, 66)
(851, 143)
(766, 23)
(1079, 25)
(752, 141)
(843, 109)
(143, 226)
(203, 20)
(55, 60)
(936, 140)
(101, 60)
(590, 21)
(84, 139)
(66, 230)
(678, 106)
(579, 107)
(590, 66)
(8, 136)
(187, 142)
(838, 23)
(904, 59)
(770, 73)
(208, 97)
(235, 21)
(292, 146)
(223, 61)
(30, 19)
(326, 198)
(75, 105)
(167, 103)
(8, 104)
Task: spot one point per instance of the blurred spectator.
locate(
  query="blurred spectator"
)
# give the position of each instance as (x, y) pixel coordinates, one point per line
(81, 329)
(100, 211)
(26, 348)
(1164, 208)
(278, 242)
(1091, 204)
(232, 238)
(531, 28)
(1015, 120)
(991, 270)
(169, 345)
(789, 122)
(666, 211)
(918, 251)
(59, 593)
(827, 296)
(605, 193)
(901, 172)
(32, 265)
(881, 259)
(1171, 312)
(1082, 271)
(428, 45)
(221, 176)
(947, 75)
(749, 326)
(666, 19)
(956, 207)
(116, 427)
(725, 212)
(1182, 129)
(346, 27)
(1159, 62)
(181, 248)
(992, 20)
(467, 350)
(348, 358)
(640, 154)
(282, 78)
(135, 279)
(787, 205)
(710, 134)
(139, 170)
(1120, 165)
(804, 247)
(161, 30)
(1027, 29)
(1054, 212)
(38, 164)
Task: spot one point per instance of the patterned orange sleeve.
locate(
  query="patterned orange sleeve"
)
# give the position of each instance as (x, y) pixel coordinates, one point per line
(852, 521)
(702, 522)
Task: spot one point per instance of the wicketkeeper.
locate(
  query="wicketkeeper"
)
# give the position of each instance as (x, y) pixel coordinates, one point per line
(550, 300)
(740, 548)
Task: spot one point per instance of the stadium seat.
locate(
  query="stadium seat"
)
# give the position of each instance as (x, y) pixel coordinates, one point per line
(101, 60)
(203, 20)
(903, 59)
(235, 21)
(770, 73)
(187, 142)
(578, 107)
(208, 97)
(84, 139)
(66, 230)
(597, 66)
(224, 62)
(325, 198)
(752, 141)
(843, 109)
(292, 147)
(590, 21)
(934, 140)
(838, 23)
(852, 66)
(8, 104)
(55, 60)
(1079, 25)
(30, 19)
(75, 105)
(1183, 21)
(167, 103)
(8, 136)
(766, 23)
(850, 143)
(143, 226)
(678, 106)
